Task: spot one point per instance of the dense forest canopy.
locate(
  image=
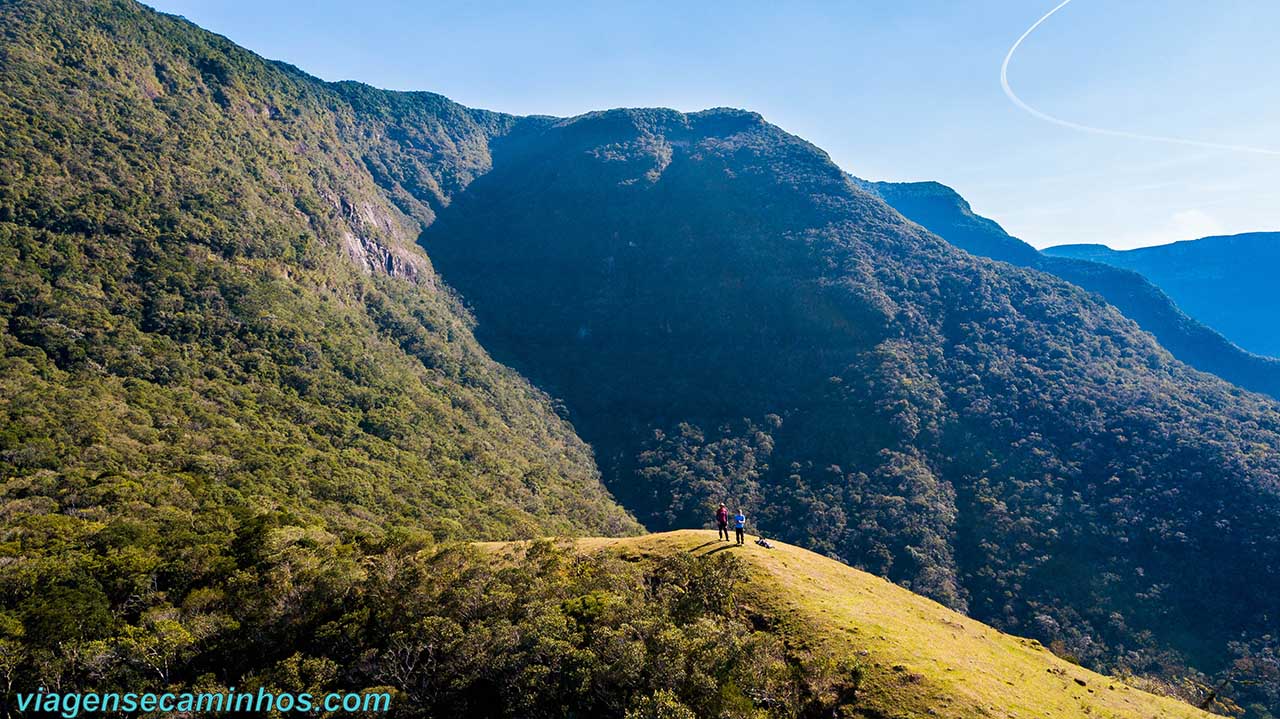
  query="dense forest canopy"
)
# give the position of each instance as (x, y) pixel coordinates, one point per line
(228, 372)
(941, 210)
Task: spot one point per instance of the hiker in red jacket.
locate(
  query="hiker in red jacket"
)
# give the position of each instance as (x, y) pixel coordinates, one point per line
(722, 520)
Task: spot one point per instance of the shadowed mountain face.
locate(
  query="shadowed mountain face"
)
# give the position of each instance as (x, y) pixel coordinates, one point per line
(728, 315)
(943, 211)
(1226, 282)
(1195, 341)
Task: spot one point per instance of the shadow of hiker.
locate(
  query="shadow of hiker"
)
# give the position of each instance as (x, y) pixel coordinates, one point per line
(721, 548)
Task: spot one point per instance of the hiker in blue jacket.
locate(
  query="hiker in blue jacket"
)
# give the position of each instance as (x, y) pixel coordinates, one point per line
(739, 524)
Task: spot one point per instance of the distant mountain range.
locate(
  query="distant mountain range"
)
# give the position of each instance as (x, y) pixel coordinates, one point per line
(1227, 282)
(942, 210)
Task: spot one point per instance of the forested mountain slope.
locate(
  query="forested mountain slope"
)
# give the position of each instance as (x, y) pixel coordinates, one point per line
(941, 210)
(726, 314)
(1227, 282)
(225, 363)
(204, 278)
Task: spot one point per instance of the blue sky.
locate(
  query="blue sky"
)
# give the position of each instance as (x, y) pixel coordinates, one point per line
(893, 90)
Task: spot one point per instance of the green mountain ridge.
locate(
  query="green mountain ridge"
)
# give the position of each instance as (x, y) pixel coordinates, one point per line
(943, 211)
(245, 410)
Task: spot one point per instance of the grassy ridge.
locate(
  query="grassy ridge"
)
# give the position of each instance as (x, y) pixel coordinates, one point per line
(918, 657)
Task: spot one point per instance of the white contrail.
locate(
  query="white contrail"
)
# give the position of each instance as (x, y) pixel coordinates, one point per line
(1004, 82)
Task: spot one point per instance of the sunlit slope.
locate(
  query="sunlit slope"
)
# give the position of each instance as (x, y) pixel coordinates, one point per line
(920, 658)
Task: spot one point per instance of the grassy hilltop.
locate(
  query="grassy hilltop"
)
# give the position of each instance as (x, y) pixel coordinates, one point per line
(916, 657)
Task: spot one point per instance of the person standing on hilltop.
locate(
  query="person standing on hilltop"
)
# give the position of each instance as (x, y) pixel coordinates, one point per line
(739, 525)
(722, 520)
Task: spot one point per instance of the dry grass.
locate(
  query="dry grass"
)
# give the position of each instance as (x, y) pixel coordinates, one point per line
(920, 658)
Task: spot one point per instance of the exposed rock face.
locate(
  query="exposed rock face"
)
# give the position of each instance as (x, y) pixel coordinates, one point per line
(381, 240)
(374, 256)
